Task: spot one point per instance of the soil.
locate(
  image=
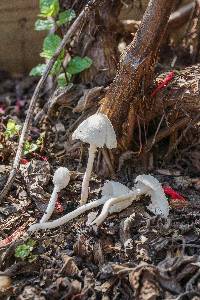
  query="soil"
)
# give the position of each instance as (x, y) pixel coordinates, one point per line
(133, 254)
(150, 258)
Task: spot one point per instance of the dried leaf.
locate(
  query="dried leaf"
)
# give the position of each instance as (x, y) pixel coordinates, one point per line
(69, 268)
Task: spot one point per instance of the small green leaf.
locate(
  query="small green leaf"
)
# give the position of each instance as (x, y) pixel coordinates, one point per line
(43, 25)
(38, 70)
(33, 146)
(11, 129)
(50, 44)
(29, 147)
(66, 17)
(62, 80)
(78, 64)
(49, 8)
(24, 251)
(31, 243)
(40, 140)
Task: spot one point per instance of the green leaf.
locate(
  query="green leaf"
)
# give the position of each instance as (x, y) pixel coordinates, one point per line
(50, 44)
(78, 64)
(24, 251)
(43, 25)
(31, 243)
(33, 146)
(40, 140)
(11, 129)
(49, 8)
(38, 70)
(56, 67)
(62, 80)
(66, 17)
(29, 147)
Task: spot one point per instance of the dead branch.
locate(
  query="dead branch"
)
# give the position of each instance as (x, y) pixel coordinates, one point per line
(72, 30)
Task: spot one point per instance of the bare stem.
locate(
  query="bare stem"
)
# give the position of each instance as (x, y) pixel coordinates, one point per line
(51, 205)
(70, 216)
(87, 175)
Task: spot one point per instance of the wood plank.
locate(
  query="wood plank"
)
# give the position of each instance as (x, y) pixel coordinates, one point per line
(20, 43)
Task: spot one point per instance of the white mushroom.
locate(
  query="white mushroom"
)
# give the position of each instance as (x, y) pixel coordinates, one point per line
(70, 216)
(152, 187)
(61, 179)
(112, 189)
(98, 131)
(109, 189)
(145, 184)
(115, 204)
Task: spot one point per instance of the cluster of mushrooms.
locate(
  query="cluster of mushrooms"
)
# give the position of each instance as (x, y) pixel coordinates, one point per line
(98, 131)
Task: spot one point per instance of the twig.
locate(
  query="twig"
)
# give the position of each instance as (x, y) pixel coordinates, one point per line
(67, 37)
(157, 130)
(165, 132)
(194, 121)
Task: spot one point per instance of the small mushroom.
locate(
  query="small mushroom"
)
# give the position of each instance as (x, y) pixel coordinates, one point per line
(145, 184)
(121, 198)
(61, 179)
(110, 188)
(68, 217)
(98, 131)
(152, 187)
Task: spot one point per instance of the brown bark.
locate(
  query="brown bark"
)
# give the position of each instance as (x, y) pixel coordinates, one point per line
(137, 64)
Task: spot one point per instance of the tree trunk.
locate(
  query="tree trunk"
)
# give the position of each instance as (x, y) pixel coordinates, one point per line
(136, 67)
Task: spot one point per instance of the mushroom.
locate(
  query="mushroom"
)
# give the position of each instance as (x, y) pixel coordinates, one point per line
(152, 187)
(61, 179)
(98, 131)
(116, 204)
(70, 216)
(110, 188)
(145, 184)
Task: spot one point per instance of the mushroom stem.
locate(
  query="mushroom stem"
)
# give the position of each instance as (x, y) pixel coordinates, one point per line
(86, 178)
(105, 211)
(51, 205)
(75, 213)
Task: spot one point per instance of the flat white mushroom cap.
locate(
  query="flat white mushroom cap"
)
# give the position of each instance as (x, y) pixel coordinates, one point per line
(112, 189)
(151, 186)
(61, 177)
(97, 130)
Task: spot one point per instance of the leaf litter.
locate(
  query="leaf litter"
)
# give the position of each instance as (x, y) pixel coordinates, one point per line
(132, 255)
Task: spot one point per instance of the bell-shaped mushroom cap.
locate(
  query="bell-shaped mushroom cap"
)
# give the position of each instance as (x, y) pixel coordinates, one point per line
(112, 189)
(151, 186)
(97, 130)
(61, 177)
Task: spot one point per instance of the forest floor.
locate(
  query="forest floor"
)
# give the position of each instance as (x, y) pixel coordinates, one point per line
(152, 258)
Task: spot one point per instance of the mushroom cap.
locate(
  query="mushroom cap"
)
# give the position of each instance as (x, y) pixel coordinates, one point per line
(97, 130)
(112, 189)
(61, 177)
(151, 186)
